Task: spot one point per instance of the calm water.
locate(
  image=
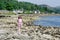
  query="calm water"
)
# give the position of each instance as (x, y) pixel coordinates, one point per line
(48, 21)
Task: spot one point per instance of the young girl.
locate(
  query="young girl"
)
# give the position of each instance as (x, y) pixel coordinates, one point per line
(19, 23)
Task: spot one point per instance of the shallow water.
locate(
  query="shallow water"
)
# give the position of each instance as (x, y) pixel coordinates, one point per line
(48, 21)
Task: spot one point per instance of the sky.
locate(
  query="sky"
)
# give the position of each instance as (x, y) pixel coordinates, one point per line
(52, 3)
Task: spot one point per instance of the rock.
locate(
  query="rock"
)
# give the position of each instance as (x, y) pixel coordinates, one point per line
(29, 23)
(57, 36)
(3, 32)
(10, 36)
(15, 39)
(2, 37)
(47, 36)
(10, 39)
(8, 28)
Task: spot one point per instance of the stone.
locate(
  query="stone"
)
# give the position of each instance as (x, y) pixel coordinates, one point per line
(15, 39)
(47, 36)
(3, 32)
(2, 37)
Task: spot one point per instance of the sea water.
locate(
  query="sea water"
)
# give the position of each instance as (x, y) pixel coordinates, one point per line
(53, 21)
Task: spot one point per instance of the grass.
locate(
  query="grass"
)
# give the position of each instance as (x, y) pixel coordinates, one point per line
(10, 13)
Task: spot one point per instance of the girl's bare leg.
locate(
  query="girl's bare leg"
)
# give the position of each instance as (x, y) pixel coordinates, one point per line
(19, 32)
(19, 29)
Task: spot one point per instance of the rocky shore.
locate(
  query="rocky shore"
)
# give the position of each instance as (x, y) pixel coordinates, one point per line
(8, 29)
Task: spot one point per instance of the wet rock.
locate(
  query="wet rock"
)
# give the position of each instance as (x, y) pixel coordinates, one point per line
(29, 23)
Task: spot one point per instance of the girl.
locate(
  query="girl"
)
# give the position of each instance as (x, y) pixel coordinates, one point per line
(19, 23)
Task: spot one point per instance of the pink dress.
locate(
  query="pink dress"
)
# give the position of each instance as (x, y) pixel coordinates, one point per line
(19, 23)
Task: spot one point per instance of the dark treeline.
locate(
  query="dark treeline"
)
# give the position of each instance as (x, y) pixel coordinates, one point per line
(15, 5)
(8, 4)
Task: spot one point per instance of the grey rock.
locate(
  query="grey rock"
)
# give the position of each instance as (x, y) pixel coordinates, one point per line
(2, 37)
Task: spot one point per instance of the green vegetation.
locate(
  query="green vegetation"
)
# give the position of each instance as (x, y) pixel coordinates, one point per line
(10, 13)
(15, 5)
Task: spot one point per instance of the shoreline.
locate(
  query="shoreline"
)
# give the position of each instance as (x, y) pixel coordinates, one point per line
(8, 29)
(38, 17)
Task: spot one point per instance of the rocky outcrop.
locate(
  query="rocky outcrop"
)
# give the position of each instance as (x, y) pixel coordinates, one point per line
(9, 31)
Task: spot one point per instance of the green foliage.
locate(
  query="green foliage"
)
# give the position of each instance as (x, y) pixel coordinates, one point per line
(15, 5)
(7, 4)
(10, 13)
